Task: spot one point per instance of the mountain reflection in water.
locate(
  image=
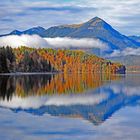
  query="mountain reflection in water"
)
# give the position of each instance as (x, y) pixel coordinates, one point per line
(92, 97)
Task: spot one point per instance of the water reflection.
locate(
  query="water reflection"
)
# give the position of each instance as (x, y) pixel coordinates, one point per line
(92, 97)
(27, 85)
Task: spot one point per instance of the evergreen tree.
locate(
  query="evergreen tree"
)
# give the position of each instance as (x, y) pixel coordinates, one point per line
(3, 61)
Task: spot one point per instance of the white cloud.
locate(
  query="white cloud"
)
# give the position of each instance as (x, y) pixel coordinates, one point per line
(38, 42)
(125, 52)
(23, 40)
(73, 42)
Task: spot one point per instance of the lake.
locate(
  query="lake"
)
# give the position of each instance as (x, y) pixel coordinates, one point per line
(70, 107)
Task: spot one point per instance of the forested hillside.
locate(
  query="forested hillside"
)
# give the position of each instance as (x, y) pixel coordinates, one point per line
(25, 59)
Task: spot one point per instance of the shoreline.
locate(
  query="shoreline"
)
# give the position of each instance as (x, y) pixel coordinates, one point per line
(48, 73)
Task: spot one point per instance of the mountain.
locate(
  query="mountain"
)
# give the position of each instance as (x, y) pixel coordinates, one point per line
(15, 32)
(36, 30)
(136, 38)
(94, 28)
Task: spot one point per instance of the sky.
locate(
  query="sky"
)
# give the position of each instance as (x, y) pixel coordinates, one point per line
(123, 15)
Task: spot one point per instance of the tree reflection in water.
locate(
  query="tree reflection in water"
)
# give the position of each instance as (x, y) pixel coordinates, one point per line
(26, 85)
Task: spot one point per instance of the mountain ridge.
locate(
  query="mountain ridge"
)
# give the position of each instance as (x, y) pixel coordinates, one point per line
(136, 38)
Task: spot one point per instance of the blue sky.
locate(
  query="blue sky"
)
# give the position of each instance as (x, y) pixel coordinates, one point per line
(123, 15)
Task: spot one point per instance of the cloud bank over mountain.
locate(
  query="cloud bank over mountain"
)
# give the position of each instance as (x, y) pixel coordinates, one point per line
(36, 41)
(73, 42)
(125, 52)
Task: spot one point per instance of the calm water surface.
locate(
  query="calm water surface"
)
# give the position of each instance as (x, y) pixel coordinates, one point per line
(70, 107)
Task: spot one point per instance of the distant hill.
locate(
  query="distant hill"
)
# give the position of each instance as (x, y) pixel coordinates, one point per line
(94, 28)
(35, 30)
(132, 62)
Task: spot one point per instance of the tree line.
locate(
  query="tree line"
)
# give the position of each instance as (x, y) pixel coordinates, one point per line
(26, 59)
